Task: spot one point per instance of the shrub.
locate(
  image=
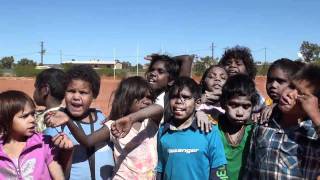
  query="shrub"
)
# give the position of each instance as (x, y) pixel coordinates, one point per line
(26, 71)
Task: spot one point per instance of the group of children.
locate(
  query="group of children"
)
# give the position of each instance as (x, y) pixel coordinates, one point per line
(167, 126)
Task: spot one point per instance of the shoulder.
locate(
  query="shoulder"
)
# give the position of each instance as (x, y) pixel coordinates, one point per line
(40, 138)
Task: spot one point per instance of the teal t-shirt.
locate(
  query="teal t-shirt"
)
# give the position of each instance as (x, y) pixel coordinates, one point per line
(189, 153)
(236, 155)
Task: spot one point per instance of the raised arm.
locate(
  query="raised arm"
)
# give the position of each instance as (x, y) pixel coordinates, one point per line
(59, 118)
(185, 62)
(102, 134)
(122, 126)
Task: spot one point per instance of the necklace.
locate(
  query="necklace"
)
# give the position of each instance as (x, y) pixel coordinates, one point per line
(234, 140)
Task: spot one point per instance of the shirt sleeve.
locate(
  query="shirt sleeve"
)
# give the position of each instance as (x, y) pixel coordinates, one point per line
(159, 167)
(51, 131)
(108, 124)
(216, 151)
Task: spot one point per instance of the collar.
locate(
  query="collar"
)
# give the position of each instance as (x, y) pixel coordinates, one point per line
(168, 126)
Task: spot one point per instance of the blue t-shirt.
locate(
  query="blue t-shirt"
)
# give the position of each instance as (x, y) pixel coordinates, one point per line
(189, 153)
(80, 168)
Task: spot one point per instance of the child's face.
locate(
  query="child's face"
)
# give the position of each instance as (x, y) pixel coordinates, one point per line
(78, 97)
(158, 77)
(288, 102)
(277, 81)
(215, 79)
(182, 104)
(235, 66)
(238, 110)
(23, 124)
(140, 104)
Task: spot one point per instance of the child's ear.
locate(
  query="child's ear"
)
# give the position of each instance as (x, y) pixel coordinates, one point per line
(45, 90)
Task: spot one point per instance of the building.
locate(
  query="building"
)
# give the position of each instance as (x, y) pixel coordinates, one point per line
(97, 63)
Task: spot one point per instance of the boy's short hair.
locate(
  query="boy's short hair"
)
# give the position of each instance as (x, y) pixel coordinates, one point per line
(310, 73)
(56, 80)
(171, 65)
(187, 82)
(85, 73)
(286, 65)
(243, 53)
(239, 85)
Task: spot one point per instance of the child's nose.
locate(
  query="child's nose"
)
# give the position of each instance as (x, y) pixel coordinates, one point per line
(274, 84)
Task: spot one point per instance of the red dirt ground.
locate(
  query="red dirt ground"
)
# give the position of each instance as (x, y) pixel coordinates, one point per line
(107, 86)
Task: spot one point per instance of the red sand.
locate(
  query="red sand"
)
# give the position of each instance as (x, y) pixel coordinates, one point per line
(107, 86)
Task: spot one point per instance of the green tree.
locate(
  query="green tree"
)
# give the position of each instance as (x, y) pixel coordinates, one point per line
(7, 62)
(201, 65)
(26, 62)
(310, 51)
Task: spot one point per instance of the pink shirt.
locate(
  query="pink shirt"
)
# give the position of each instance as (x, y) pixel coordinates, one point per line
(33, 161)
(136, 154)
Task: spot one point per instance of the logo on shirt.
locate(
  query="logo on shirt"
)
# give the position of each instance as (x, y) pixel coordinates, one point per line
(187, 151)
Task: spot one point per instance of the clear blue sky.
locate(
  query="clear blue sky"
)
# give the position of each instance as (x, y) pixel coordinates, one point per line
(96, 29)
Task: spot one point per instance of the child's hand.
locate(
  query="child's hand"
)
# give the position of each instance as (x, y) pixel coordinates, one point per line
(210, 97)
(62, 141)
(121, 127)
(56, 118)
(310, 105)
(203, 121)
(266, 113)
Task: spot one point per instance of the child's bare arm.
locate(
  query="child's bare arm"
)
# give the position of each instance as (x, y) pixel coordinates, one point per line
(59, 118)
(56, 170)
(185, 62)
(122, 126)
(102, 134)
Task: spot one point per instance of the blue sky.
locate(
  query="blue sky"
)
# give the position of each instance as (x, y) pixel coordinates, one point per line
(101, 29)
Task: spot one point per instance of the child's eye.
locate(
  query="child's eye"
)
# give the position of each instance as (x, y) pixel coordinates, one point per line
(246, 106)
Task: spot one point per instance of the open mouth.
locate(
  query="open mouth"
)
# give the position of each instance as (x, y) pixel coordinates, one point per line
(178, 111)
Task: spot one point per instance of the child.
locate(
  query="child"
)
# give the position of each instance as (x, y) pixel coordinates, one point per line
(50, 86)
(178, 158)
(288, 147)
(83, 86)
(211, 84)
(136, 154)
(239, 60)
(162, 73)
(238, 99)
(278, 76)
(24, 154)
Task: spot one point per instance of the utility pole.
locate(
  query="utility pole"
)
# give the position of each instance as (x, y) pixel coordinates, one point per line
(42, 52)
(212, 51)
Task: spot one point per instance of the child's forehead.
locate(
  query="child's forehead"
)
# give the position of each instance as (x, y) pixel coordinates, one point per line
(181, 90)
(240, 99)
(217, 69)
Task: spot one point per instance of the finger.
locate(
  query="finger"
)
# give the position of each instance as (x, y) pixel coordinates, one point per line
(198, 122)
(202, 126)
(207, 127)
